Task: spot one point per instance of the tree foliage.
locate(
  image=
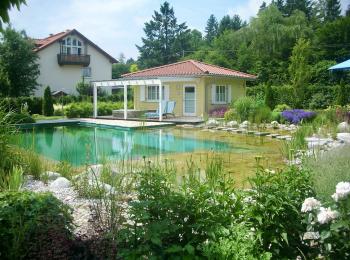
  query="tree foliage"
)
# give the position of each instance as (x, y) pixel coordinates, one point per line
(211, 30)
(18, 64)
(299, 69)
(48, 102)
(165, 39)
(6, 5)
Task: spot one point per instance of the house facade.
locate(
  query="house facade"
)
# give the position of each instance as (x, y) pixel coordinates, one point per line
(196, 87)
(67, 58)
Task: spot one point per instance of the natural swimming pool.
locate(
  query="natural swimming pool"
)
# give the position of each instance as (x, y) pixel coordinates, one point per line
(80, 145)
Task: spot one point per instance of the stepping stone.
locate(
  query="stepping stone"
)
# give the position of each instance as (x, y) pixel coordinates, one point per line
(220, 128)
(284, 137)
(262, 133)
(273, 135)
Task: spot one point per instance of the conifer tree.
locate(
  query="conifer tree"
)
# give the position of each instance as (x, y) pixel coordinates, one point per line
(211, 30)
(48, 102)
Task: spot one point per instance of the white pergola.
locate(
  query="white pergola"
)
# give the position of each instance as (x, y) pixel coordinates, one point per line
(125, 83)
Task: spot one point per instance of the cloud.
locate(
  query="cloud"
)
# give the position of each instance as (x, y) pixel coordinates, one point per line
(247, 9)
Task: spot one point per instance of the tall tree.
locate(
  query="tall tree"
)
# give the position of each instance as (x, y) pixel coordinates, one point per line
(211, 30)
(5, 6)
(262, 6)
(19, 69)
(228, 23)
(347, 12)
(299, 69)
(301, 5)
(165, 39)
(333, 10)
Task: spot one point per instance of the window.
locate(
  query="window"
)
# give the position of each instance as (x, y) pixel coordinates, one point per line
(153, 93)
(221, 95)
(86, 72)
(71, 46)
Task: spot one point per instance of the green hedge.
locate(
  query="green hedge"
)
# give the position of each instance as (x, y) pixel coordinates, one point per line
(85, 109)
(16, 104)
(316, 96)
(33, 226)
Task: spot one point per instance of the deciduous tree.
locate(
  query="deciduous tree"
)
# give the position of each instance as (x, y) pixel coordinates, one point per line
(19, 69)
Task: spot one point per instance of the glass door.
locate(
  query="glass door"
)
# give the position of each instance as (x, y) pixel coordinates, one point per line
(189, 100)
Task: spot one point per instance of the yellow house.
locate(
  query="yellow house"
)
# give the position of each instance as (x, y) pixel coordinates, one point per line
(196, 87)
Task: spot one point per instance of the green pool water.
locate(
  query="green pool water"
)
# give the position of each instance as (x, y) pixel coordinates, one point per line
(79, 145)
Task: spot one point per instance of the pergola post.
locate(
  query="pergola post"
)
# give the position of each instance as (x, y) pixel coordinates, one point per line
(125, 101)
(95, 99)
(160, 102)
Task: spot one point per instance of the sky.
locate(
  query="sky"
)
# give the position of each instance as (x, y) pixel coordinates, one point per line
(117, 25)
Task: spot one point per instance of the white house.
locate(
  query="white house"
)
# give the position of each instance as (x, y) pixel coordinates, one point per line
(67, 58)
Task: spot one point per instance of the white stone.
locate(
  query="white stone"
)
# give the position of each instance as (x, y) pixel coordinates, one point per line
(275, 124)
(52, 175)
(345, 137)
(212, 122)
(60, 183)
(343, 127)
(315, 141)
(232, 124)
(244, 124)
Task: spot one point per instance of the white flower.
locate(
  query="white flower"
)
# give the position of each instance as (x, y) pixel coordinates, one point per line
(326, 214)
(270, 171)
(310, 204)
(249, 200)
(342, 190)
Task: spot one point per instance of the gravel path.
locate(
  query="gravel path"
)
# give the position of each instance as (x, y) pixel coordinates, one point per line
(82, 214)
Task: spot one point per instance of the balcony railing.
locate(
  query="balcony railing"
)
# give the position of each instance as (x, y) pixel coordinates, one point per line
(71, 59)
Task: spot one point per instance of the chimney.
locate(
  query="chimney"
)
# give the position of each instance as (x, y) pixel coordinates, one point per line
(51, 34)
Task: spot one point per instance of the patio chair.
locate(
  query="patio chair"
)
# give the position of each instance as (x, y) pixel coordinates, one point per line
(170, 108)
(156, 114)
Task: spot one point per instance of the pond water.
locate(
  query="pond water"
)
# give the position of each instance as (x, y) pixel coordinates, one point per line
(81, 145)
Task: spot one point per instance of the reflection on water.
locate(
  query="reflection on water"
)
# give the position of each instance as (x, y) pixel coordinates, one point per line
(80, 144)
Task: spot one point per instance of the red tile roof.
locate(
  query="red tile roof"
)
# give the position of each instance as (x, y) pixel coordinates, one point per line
(187, 68)
(43, 43)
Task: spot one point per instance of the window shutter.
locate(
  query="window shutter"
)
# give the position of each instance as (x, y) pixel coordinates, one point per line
(166, 93)
(142, 93)
(213, 94)
(229, 94)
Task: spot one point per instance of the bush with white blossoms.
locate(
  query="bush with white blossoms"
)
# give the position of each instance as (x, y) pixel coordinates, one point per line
(331, 224)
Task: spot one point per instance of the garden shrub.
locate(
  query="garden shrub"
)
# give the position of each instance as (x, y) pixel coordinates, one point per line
(85, 109)
(236, 242)
(296, 116)
(48, 102)
(19, 118)
(343, 96)
(244, 107)
(230, 115)
(33, 226)
(273, 208)
(281, 108)
(329, 223)
(319, 101)
(169, 221)
(15, 104)
(269, 97)
(262, 114)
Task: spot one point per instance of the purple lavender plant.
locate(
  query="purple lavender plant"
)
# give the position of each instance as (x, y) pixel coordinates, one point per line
(295, 116)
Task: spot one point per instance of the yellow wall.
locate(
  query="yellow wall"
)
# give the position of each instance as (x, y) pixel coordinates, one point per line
(203, 94)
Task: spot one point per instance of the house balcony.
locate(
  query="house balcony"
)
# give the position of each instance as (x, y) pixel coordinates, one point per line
(71, 59)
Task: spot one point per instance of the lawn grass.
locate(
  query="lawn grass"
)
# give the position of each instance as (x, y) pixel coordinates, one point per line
(328, 169)
(42, 117)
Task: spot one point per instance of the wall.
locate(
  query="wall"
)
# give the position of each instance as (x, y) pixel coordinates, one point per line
(66, 77)
(238, 89)
(203, 94)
